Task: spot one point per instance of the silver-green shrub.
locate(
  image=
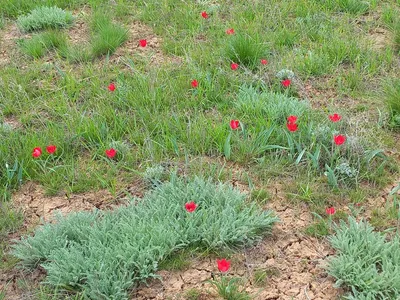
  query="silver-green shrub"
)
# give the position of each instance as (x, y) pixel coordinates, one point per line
(44, 18)
(366, 262)
(104, 253)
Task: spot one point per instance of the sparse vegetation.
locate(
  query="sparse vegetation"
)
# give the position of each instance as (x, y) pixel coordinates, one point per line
(294, 102)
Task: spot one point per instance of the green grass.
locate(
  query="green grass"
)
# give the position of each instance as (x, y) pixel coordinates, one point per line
(40, 44)
(107, 39)
(392, 98)
(246, 50)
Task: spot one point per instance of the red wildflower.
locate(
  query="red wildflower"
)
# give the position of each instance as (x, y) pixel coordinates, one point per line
(230, 31)
(111, 152)
(223, 265)
(190, 206)
(292, 119)
(339, 139)
(286, 82)
(335, 117)
(234, 66)
(292, 126)
(36, 152)
(330, 211)
(143, 43)
(111, 87)
(264, 61)
(51, 149)
(194, 83)
(204, 14)
(235, 124)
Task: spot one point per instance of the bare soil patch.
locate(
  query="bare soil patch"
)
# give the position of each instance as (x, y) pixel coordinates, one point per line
(138, 31)
(8, 43)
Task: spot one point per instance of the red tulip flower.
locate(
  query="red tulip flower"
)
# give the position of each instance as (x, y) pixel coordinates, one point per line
(264, 61)
(223, 265)
(235, 124)
(111, 152)
(190, 206)
(143, 43)
(292, 119)
(230, 31)
(204, 14)
(330, 211)
(335, 117)
(36, 152)
(111, 87)
(194, 83)
(339, 139)
(234, 66)
(51, 149)
(292, 127)
(286, 83)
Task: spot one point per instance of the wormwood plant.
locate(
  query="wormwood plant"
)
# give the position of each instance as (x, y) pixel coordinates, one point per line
(105, 254)
(44, 18)
(366, 261)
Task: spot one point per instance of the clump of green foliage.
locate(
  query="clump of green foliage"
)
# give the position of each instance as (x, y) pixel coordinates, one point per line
(40, 44)
(245, 50)
(107, 36)
(366, 261)
(104, 253)
(45, 18)
(392, 97)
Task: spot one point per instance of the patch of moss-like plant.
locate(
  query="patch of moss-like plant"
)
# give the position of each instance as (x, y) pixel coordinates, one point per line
(45, 18)
(366, 262)
(104, 254)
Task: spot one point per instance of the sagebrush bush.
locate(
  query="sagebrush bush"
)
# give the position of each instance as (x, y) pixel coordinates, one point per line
(44, 18)
(104, 253)
(366, 262)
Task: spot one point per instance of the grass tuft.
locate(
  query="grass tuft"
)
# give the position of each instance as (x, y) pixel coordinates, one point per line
(107, 35)
(245, 50)
(40, 44)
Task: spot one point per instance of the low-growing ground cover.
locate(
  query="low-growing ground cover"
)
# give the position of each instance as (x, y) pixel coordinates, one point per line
(295, 103)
